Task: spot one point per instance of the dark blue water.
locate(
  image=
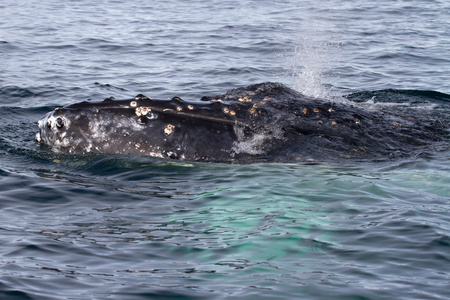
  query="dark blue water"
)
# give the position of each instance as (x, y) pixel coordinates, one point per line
(127, 227)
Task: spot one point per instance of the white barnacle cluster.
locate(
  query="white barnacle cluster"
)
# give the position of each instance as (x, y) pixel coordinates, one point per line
(189, 107)
(168, 129)
(142, 111)
(264, 101)
(228, 111)
(332, 122)
(254, 109)
(245, 99)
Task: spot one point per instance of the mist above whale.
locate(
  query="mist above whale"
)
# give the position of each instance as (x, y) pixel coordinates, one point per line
(265, 122)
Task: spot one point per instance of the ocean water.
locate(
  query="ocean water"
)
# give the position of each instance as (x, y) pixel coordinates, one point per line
(127, 227)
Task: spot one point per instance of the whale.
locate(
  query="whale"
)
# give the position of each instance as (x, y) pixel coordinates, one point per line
(265, 122)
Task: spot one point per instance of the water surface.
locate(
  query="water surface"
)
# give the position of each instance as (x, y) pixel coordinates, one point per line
(126, 227)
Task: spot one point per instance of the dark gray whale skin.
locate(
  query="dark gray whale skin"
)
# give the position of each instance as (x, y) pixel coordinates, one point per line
(265, 122)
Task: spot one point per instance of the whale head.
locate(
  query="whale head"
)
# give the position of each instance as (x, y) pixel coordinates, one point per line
(158, 128)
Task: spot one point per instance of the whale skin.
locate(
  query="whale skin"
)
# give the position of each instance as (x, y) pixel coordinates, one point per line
(265, 122)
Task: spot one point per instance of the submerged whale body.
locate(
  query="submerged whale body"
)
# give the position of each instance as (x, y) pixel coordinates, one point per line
(261, 122)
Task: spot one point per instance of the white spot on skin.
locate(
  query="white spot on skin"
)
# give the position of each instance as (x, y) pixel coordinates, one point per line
(101, 134)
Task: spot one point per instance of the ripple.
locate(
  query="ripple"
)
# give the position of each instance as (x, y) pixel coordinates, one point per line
(126, 227)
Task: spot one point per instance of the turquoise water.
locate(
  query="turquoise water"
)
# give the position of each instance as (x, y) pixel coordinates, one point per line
(132, 229)
(126, 227)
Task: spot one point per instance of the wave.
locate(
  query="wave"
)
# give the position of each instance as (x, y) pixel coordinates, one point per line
(51, 95)
(400, 96)
(16, 92)
(13, 94)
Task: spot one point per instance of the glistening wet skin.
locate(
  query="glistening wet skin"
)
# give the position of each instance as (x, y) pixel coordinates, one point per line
(262, 122)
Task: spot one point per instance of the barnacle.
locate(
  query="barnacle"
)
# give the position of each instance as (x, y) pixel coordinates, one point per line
(145, 110)
(245, 99)
(169, 129)
(138, 111)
